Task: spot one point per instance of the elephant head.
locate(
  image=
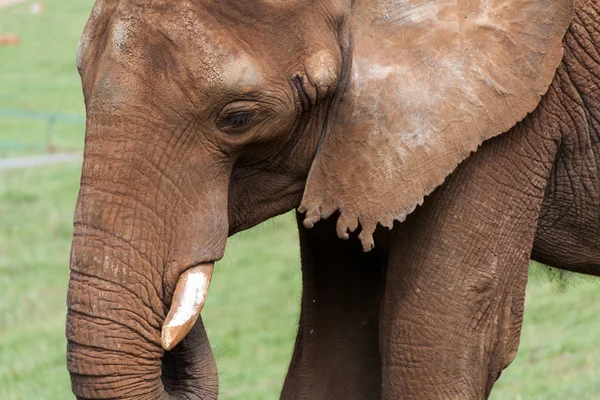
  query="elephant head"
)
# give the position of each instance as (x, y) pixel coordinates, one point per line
(206, 118)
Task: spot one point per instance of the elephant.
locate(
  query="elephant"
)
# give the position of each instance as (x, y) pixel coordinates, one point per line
(430, 148)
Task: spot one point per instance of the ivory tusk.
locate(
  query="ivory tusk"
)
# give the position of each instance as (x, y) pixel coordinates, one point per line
(188, 300)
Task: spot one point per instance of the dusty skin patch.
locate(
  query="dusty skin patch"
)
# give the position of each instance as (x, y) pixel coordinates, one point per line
(242, 72)
(322, 69)
(430, 82)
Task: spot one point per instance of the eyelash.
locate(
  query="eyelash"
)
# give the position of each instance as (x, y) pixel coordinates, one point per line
(238, 120)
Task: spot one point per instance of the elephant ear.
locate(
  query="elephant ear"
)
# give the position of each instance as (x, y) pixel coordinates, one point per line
(430, 80)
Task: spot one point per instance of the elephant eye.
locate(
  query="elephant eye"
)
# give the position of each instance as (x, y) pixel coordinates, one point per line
(239, 117)
(238, 120)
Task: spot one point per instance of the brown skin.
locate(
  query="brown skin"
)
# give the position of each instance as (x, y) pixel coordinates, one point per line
(206, 119)
(568, 233)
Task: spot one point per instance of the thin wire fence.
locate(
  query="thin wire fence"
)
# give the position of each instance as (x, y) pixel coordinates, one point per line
(31, 132)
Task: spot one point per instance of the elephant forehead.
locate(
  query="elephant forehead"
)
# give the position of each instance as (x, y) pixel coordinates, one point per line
(210, 55)
(217, 55)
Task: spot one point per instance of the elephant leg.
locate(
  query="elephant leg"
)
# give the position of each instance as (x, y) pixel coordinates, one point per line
(336, 355)
(453, 304)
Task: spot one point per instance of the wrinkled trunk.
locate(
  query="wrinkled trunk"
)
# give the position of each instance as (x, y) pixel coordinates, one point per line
(113, 329)
(114, 353)
(139, 224)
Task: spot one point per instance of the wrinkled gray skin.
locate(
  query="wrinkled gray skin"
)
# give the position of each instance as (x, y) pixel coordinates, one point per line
(175, 162)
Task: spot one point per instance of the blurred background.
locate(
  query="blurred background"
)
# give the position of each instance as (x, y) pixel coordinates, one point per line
(252, 311)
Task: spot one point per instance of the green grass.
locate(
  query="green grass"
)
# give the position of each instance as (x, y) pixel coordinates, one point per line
(252, 310)
(559, 356)
(36, 206)
(40, 74)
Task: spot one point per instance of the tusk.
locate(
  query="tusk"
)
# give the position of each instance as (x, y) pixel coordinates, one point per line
(188, 300)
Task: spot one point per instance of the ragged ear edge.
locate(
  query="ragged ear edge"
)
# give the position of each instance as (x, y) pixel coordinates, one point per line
(430, 82)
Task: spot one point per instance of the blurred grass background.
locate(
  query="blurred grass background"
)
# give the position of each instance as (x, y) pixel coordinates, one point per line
(252, 310)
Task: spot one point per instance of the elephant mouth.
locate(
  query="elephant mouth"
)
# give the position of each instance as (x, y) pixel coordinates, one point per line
(188, 300)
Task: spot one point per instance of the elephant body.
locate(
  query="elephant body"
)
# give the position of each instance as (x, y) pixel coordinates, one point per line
(444, 298)
(567, 235)
(424, 298)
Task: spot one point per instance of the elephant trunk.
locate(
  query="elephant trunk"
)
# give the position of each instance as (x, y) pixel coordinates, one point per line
(142, 225)
(114, 330)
